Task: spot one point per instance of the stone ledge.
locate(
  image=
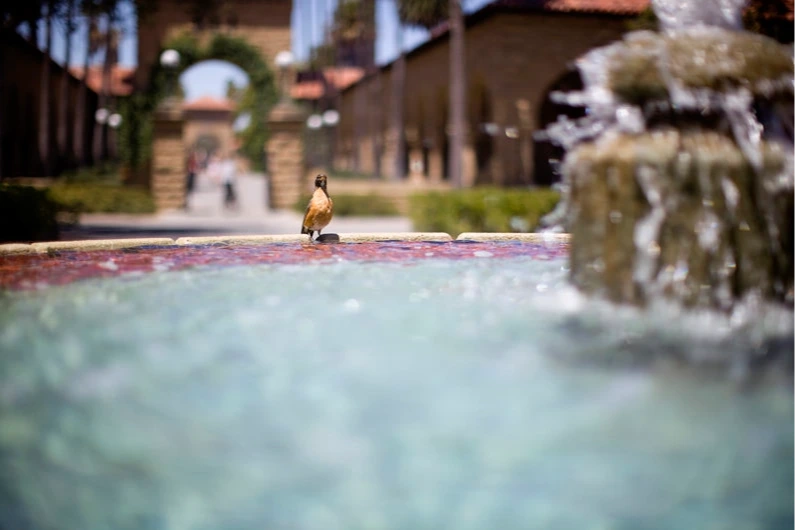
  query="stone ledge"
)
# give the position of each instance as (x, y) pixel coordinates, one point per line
(102, 244)
(507, 236)
(394, 236)
(16, 248)
(243, 240)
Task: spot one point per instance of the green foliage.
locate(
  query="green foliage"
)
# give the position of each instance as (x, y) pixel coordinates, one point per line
(346, 205)
(102, 173)
(423, 13)
(345, 174)
(481, 210)
(26, 214)
(646, 20)
(138, 110)
(77, 198)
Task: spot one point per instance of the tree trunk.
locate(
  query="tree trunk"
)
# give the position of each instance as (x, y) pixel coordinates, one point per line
(44, 96)
(101, 129)
(64, 141)
(2, 114)
(457, 94)
(398, 107)
(83, 150)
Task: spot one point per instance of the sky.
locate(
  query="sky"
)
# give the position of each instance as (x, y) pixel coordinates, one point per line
(210, 78)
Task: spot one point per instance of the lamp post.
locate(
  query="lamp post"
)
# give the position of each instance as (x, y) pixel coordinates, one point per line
(284, 60)
(101, 118)
(169, 60)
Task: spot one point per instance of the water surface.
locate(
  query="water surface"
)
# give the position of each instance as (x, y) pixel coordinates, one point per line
(342, 393)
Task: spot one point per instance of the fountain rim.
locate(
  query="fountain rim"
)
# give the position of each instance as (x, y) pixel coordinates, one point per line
(86, 245)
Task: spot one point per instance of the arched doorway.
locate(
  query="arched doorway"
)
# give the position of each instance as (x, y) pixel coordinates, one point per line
(547, 155)
(138, 136)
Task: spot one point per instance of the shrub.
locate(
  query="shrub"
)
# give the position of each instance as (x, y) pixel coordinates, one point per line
(26, 214)
(102, 173)
(355, 205)
(481, 210)
(99, 198)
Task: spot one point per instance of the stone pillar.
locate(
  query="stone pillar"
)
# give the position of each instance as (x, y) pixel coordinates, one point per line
(167, 181)
(390, 153)
(469, 164)
(285, 149)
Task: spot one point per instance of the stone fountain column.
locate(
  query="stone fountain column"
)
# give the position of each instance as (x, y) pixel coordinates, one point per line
(679, 186)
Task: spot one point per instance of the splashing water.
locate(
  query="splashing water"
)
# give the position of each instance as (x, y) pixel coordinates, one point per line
(710, 84)
(677, 14)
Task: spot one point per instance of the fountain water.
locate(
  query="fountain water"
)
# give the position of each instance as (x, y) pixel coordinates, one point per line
(679, 181)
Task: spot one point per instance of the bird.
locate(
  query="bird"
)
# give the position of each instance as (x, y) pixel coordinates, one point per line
(319, 210)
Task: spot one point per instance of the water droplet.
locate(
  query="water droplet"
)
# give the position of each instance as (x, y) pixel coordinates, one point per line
(483, 254)
(681, 272)
(109, 265)
(352, 305)
(653, 249)
(598, 265)
(615, 217)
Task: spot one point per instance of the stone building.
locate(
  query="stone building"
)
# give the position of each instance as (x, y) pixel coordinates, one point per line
(20, 112)
(517, 52)
(208, 124)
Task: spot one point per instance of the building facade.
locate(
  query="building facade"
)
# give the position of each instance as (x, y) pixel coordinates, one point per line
(516, 53)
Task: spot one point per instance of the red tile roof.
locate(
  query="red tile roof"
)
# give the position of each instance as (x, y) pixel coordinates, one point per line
(618, 7)
(121, 78)
(341, 77)
(209, 103)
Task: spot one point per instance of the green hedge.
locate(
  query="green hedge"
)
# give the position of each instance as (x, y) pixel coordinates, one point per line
(372, 205)
(99, 198)
(26, 214)
(481, 210)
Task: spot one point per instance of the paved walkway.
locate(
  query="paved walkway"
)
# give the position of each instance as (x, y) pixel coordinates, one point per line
(206, 216)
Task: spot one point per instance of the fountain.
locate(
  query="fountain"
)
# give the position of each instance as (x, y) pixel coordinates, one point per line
(231, 383)
(679, 182)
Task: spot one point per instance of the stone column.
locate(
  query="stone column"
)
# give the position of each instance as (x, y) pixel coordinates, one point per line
(167, 181)
(469, 164)
(285, 149)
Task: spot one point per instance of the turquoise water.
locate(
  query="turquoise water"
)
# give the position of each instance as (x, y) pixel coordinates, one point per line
(475, 394)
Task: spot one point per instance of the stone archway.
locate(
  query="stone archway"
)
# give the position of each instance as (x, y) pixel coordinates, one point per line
(166, 176)
(246, 33)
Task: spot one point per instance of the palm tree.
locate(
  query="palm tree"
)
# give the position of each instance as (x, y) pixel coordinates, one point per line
(89, 8)
(427, 14)
(64, 140)
(457, 93)
(110, 38)
(398, 99)
(44, 94)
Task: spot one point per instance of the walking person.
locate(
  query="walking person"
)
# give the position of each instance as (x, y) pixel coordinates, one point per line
(228, 178)
(190, 184)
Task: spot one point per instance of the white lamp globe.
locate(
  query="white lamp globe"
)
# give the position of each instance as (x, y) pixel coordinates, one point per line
(315, 121)
(101, 115)
(114, 120)
(169, 58)
(284, 59)
(331, 117)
